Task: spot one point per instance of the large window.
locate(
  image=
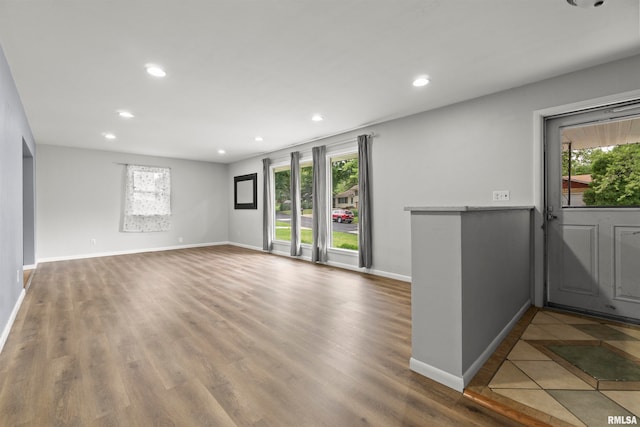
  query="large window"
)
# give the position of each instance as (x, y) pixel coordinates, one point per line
(344, 202)
(282, 205)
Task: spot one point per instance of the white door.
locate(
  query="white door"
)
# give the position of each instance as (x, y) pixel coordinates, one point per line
(593, 211)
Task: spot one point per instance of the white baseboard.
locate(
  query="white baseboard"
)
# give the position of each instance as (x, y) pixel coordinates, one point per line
(459, 383)
(375, 272)
(399, 277)
(242, 245)
(129, 251)
(12, 318)
(491, 348)
(29, 267)
(344, 266)
(380, 273)
(445, 378)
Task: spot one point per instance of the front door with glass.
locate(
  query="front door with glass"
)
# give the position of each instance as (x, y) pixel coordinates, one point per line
(593, 211)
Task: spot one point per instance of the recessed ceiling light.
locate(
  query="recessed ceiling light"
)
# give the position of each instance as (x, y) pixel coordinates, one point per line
(221, 152)
(109, 135)
(317, 118)
(258, 139)
(155, 70)
(421, 81)
(125, 114)
(586, 3)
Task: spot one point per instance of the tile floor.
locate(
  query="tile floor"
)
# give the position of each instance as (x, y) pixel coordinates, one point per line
(577, 370)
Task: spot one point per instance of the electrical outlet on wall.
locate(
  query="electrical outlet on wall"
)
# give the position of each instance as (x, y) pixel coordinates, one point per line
(501, 195)
(92, 242)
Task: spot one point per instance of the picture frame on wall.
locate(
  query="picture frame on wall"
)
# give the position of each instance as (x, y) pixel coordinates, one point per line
(245, 191)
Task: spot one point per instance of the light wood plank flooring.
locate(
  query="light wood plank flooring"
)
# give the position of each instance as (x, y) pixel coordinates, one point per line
(218, 336)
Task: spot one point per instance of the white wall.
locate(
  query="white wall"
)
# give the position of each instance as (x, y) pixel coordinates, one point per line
(455, 155)
(80, 196)
(13, 128)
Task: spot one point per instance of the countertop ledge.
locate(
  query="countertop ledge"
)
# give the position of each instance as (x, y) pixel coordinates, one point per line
(464, 208)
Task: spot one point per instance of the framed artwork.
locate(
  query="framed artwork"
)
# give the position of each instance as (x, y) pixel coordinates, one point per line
(245, 191)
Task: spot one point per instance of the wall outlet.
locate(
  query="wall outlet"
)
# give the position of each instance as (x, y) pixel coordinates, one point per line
(18, 275)
(180, 240)
(92, 242)
(501, 195)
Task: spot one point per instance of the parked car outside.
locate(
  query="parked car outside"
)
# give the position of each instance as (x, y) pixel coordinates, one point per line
(342, 215)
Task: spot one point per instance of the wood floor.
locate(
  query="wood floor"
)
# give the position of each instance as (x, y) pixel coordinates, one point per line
(218, 336)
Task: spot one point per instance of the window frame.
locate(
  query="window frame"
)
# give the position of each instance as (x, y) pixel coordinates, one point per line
(273, 169)
(305, 162)
(344, 153)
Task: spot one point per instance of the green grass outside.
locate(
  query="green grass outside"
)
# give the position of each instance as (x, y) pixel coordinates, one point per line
(345, 240)
(340, 240)
(304, 212)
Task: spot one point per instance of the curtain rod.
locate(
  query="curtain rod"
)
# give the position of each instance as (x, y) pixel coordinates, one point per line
(146, 166)
(293, 146)
(353, 139)
(343, 141)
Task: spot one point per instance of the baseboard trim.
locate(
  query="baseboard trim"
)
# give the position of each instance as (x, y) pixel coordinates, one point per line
(380, 273)
(399, 277)
(491, 348)
(12, 318)
(374, 272)
(241, 245)
(129, 252)
(30, 267)
(438, 375)
(459, 383)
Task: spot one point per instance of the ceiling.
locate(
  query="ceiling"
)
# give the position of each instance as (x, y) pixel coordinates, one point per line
(616, 132)
(238, 69)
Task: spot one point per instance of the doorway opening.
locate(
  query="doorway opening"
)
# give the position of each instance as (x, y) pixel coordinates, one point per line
(28, 212)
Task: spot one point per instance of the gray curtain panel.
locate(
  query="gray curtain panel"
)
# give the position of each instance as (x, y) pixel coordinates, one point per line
(296, 249)
(319, 198)
(267, 207)
(365, 256)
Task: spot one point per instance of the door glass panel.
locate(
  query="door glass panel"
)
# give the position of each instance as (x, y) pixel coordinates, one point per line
(601, 164)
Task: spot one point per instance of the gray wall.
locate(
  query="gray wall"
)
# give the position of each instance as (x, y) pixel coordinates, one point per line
(456, 155)
(495, 275)
(80, 196)
(436, 291)
(13, 129)
(471, 273)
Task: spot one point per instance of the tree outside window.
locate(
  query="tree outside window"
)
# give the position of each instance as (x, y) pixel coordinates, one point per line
(602, 176)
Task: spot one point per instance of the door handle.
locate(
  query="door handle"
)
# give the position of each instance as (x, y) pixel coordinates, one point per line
(551, 217)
